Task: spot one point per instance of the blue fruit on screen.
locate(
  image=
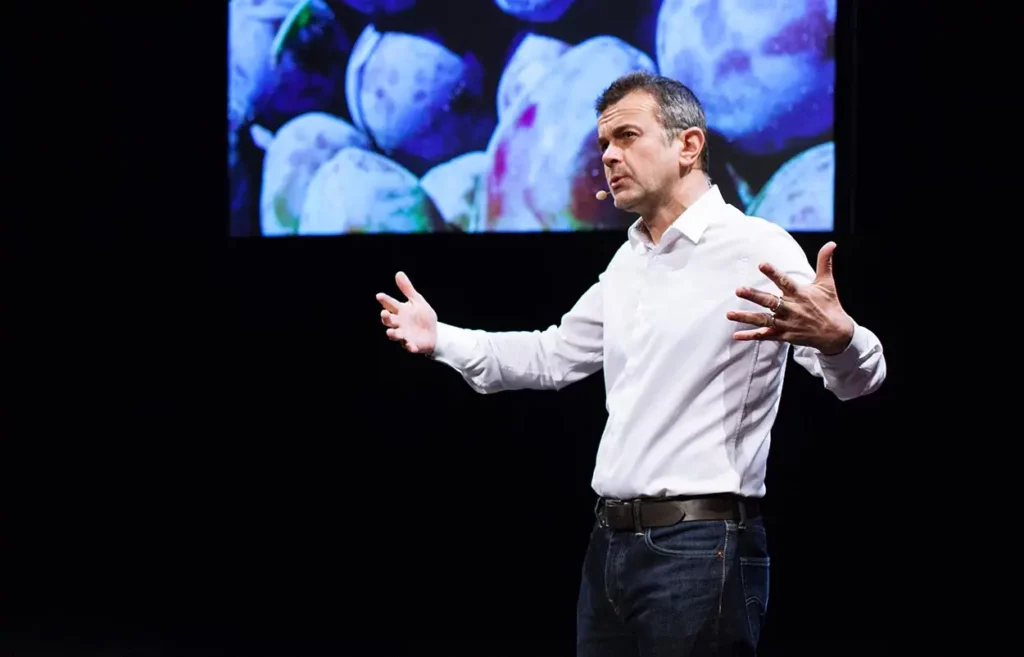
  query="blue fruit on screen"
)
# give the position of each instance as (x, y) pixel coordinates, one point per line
(413, 116)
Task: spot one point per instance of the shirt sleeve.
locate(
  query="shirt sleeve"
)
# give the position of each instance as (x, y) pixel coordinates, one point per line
(541, 360)
(854, 372)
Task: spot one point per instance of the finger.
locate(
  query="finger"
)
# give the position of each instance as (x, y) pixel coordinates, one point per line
(824, 270)
(394, 334)
(769, 301)
(754, 319)
(764, 333)
(388, 302)
(405, 285)
(387, 319)
(785, 283)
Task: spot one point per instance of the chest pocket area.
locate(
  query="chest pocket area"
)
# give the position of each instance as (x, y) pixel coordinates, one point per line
(621, 292)
(687, 299)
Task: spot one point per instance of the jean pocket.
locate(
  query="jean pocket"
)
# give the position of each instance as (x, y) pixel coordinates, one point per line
(754, 573)
(696, 538)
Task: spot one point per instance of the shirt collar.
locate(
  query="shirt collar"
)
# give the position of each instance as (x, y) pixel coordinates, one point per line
(691, 224)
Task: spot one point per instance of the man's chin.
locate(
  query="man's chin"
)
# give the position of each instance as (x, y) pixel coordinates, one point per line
(626, 202)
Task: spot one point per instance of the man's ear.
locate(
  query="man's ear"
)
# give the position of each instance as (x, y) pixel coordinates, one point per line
(690, 147)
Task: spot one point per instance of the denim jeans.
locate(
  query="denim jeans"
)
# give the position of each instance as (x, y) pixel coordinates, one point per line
(695, 589)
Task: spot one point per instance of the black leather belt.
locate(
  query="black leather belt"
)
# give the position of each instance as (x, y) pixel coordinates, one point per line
(640, 514)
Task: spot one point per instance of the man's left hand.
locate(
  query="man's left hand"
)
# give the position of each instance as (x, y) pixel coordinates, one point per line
(808, 315)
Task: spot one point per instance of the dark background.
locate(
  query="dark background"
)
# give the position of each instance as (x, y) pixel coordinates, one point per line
(213, 449)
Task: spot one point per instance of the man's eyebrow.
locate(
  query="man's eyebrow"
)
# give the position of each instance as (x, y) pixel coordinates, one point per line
(619, 129)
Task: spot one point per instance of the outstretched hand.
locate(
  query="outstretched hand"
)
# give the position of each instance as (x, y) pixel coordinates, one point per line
(808, 315)
(412, 323)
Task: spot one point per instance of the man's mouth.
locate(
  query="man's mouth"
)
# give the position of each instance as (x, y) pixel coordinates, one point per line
(615, 180)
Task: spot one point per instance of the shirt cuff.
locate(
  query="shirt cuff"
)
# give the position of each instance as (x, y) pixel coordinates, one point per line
(455, 346)
(850, 357)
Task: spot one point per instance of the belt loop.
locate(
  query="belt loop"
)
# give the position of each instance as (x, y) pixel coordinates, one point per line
(743, 512)
(637, 525)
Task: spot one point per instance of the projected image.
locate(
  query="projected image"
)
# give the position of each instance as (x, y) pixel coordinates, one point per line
(477, 116)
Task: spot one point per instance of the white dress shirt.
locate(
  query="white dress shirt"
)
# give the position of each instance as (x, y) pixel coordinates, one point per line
(690, 409)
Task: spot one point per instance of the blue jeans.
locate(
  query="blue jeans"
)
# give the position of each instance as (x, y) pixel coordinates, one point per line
(695, 589)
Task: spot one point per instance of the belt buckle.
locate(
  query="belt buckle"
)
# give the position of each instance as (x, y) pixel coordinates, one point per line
(613, 512)
(623, 509)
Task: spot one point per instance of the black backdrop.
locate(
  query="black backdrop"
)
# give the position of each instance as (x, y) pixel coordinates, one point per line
(218, 452)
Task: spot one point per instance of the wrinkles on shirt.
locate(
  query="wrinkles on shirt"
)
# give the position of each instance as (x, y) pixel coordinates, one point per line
(552, 359)
(557, 364)
(857, 371)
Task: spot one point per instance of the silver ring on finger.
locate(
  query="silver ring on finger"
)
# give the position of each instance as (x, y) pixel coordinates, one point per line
(778, 305)
(771, 321)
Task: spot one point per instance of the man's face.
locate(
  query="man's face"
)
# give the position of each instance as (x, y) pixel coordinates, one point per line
(640, 164)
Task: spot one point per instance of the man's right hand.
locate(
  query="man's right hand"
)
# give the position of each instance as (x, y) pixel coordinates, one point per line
(412, 323)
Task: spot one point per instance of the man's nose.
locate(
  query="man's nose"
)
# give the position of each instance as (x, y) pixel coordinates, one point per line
(611, 156)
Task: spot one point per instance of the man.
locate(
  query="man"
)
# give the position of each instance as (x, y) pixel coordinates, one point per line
(692, 322)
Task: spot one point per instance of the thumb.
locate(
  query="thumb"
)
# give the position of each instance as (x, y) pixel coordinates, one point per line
(824, 271)
(405, 285)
